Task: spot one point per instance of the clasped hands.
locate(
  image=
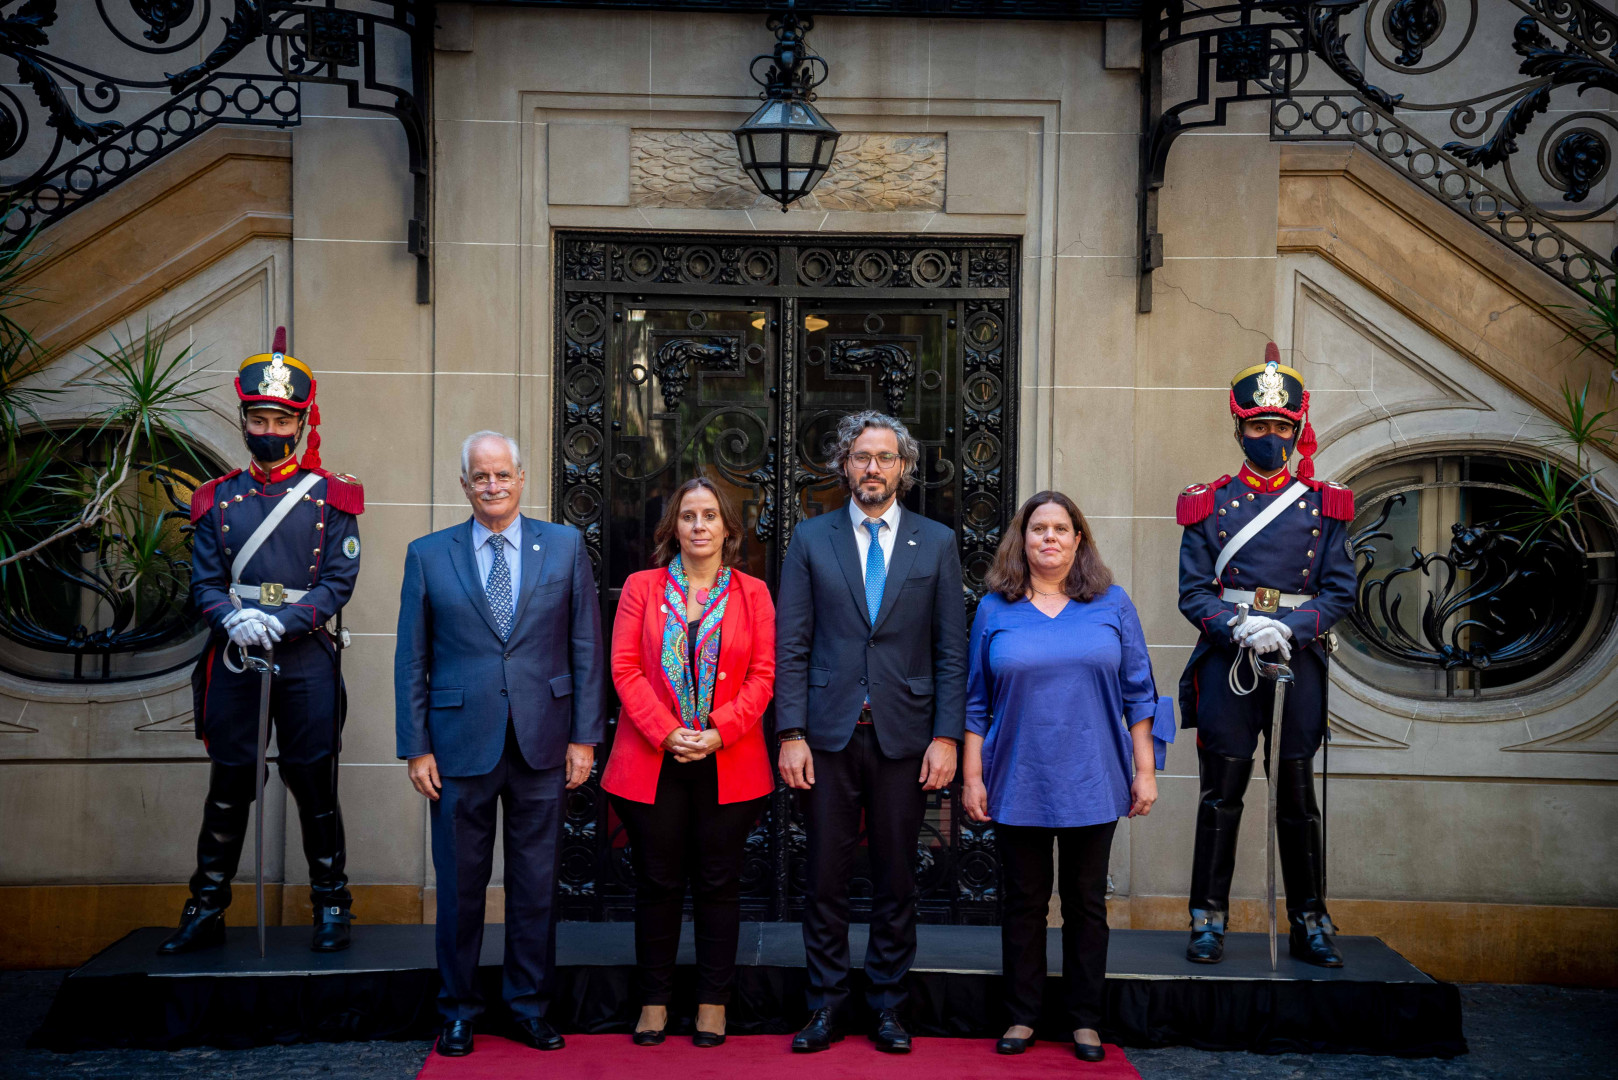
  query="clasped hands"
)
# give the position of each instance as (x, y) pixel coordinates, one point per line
(250, 626)
(687, 745)
(1263, 634)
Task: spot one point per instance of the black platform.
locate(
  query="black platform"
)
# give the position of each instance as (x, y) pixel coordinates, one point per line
(384, 988)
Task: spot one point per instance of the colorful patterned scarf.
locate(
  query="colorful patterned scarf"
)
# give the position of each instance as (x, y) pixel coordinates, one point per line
(695, 702)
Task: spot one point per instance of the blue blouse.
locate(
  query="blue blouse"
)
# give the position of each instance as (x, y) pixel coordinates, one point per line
(1054, 698)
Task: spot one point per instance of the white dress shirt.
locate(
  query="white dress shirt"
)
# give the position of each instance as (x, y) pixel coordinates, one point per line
(484, 551)
(886, 535)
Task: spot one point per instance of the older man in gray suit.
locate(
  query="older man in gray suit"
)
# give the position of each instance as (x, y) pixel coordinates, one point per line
(498, 683)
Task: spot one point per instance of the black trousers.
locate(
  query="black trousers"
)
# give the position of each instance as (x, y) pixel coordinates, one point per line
(687, 834)
(463, 818)
(1231, 725)
(1025, 860)
(850, 782)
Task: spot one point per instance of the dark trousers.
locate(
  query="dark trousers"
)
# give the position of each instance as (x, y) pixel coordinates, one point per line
(531, 804)
(1231, 725)
(303, 703)
(1025, 859)
(687, 835)
(856, 779)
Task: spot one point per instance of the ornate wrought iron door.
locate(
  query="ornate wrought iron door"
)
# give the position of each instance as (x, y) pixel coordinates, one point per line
(735, 357)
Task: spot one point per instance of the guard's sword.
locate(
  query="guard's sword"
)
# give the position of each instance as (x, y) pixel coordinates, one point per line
(265, 666)
(1282, 674)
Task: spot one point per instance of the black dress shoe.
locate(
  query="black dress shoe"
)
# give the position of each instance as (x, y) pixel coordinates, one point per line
(648, 1038)
(455, 1040)
(1310, 939)
(1207, 944)
(536, 1032)
(890, 1036)
(200, 928)
(708, 1039)
(331, 929)
(1009, 1045)
(1086, 1052)
(818, 1034)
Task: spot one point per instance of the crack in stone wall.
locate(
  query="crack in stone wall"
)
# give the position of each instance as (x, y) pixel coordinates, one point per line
(878, 172)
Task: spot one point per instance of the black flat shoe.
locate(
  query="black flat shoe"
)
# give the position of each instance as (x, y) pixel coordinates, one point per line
(1009, 1045)
(818, 1034)
(648, 1038)
(1310, 939)
(536, 1033)
(1086, 1052)
(331, 933)
(1207, 945)
(706, 1040)
(455, 1040)
(890, 1036)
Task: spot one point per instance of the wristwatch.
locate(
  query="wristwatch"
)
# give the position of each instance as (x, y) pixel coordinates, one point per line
(791, 735)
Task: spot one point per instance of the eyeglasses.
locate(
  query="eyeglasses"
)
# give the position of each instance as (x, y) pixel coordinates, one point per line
(483, 483)
(862, 460)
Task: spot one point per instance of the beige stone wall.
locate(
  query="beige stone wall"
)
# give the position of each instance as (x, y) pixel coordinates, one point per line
(1414, 331)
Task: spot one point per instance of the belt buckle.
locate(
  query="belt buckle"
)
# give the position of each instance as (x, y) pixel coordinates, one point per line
(272, 595)
(1267, 600)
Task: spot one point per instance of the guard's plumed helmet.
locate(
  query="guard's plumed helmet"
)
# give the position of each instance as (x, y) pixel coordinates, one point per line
(277, 380)
(1273, 390)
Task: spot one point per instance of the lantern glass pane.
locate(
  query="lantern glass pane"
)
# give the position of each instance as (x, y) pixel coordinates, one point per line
(828, 150)
(766, 147)
(798, 180)
(801, 149)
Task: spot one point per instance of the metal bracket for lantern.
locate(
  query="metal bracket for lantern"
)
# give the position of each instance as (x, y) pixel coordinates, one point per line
(786, 146)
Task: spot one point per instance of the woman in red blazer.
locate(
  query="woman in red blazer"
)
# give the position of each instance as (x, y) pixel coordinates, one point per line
(693, 660)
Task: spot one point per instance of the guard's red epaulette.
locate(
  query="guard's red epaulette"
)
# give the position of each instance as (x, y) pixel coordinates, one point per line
(344, 492)
(202, 498)
(1336, 500)
(1197, 502)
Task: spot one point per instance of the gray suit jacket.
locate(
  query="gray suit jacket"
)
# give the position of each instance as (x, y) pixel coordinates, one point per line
(829, 655)
(455, 681)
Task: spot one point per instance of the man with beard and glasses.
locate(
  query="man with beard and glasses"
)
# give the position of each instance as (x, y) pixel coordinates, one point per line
(498, 676)
(1278, 544)
(275, 553)
(869, 708)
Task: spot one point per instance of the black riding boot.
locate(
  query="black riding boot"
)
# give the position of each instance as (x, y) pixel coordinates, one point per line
(1219, 817)
(314, 786)
(219, 850)
(1303, 864)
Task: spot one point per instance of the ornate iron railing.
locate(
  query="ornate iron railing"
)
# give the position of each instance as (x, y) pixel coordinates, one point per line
(1562, 49)
(83, 134)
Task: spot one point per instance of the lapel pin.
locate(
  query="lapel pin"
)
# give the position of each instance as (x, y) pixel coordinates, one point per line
(912, 543)
(536, 546)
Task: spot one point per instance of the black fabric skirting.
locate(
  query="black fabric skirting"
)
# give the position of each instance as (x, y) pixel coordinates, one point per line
(1420, 1017)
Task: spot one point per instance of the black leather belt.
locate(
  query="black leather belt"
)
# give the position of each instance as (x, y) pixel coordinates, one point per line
(865, 715)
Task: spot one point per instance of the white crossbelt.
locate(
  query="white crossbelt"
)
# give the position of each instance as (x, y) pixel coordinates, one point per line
(1248, 597)
(252, 592)
(1256, 526)
(268, 525)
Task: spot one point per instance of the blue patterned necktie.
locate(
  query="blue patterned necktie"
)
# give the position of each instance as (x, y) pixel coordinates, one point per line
(876, 571)
(499, 586)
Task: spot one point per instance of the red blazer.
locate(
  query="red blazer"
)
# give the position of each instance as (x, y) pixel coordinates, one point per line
(745, 684)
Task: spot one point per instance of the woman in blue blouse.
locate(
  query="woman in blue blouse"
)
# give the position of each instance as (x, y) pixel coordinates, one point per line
(1062, 716)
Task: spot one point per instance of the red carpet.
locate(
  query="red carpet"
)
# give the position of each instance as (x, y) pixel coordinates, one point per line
(761, 1057)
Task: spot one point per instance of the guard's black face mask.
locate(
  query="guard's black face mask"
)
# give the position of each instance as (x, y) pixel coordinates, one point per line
(1268, 452)
(269, 448)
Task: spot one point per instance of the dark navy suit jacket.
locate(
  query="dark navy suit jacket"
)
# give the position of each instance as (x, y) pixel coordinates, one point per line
(829, 655)
(455, 681)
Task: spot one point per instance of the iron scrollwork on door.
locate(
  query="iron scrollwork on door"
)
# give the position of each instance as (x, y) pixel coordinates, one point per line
(736, 358)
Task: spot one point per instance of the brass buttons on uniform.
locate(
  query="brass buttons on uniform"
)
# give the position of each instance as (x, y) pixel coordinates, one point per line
(320, 502)
(1251, 496)
(1221, 534)
(237, 499)
(227, 551)
(1316, 513)
(1306, 573)
(320, 524)
(1314, 532)
(224, 528)
(1221, 509)
(311, 569)
(1302, 504)
(1310, 554)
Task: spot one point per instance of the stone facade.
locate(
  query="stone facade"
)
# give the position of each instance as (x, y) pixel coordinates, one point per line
(1416, 331)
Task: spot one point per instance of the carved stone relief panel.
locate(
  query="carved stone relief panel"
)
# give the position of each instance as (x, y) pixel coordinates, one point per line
(873, 172)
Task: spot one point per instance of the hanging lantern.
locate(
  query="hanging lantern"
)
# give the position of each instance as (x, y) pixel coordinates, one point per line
(787, 146)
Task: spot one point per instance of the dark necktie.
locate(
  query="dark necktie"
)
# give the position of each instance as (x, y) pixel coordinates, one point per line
(499, 586)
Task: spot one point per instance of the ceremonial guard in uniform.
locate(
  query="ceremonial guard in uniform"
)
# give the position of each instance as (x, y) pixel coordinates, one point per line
(274, 556)
(1278, 544)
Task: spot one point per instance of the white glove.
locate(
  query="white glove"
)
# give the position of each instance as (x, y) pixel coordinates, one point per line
(250, 626)
(1264, 635)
